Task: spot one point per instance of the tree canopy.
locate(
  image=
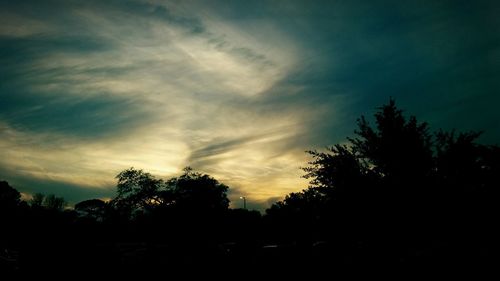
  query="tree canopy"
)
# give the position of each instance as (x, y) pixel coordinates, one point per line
(193, 190)
(139, 191)
(397, 175)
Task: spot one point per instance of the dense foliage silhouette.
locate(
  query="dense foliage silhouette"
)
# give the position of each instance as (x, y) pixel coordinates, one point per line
(397, 195)
(394, 197)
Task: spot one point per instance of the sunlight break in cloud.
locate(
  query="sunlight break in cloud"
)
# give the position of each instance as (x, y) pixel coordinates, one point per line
(178, 86)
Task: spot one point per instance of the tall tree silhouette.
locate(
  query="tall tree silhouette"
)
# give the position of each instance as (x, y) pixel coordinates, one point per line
(395, 190)
(398, 148)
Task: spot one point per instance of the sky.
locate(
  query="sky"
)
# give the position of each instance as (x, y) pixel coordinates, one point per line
(236, 89)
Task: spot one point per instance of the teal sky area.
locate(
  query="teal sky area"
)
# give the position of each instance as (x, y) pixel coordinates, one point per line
(235, 89)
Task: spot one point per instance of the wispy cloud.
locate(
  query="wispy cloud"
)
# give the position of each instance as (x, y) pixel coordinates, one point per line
(145, 86)
(237, 90)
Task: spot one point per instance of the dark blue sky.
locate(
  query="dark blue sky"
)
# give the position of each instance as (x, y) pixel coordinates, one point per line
(237, 89)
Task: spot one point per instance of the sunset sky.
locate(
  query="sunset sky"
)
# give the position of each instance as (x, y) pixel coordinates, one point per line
(235, 89)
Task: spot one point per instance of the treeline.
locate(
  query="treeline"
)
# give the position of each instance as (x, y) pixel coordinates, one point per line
(149, 224)
(395, 196)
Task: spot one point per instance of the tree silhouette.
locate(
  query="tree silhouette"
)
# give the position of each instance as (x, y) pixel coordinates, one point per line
(393, 158)
(37, 200)
(53, 202)
(138, 191)
(141, 192)
(395, 190)
(200, 192)
(397, 149)
(49, 202)
(9, 197)
(94, 209)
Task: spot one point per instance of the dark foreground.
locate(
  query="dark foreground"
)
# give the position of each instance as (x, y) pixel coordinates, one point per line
(232, 259)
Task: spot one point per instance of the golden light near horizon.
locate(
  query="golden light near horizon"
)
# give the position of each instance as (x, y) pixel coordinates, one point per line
(185, 92)
(89, 89)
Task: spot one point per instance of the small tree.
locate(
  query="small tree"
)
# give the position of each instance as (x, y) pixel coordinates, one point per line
(197, 191)
(93, 209)
(52, 202)
(137, 191)
(37, 200)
